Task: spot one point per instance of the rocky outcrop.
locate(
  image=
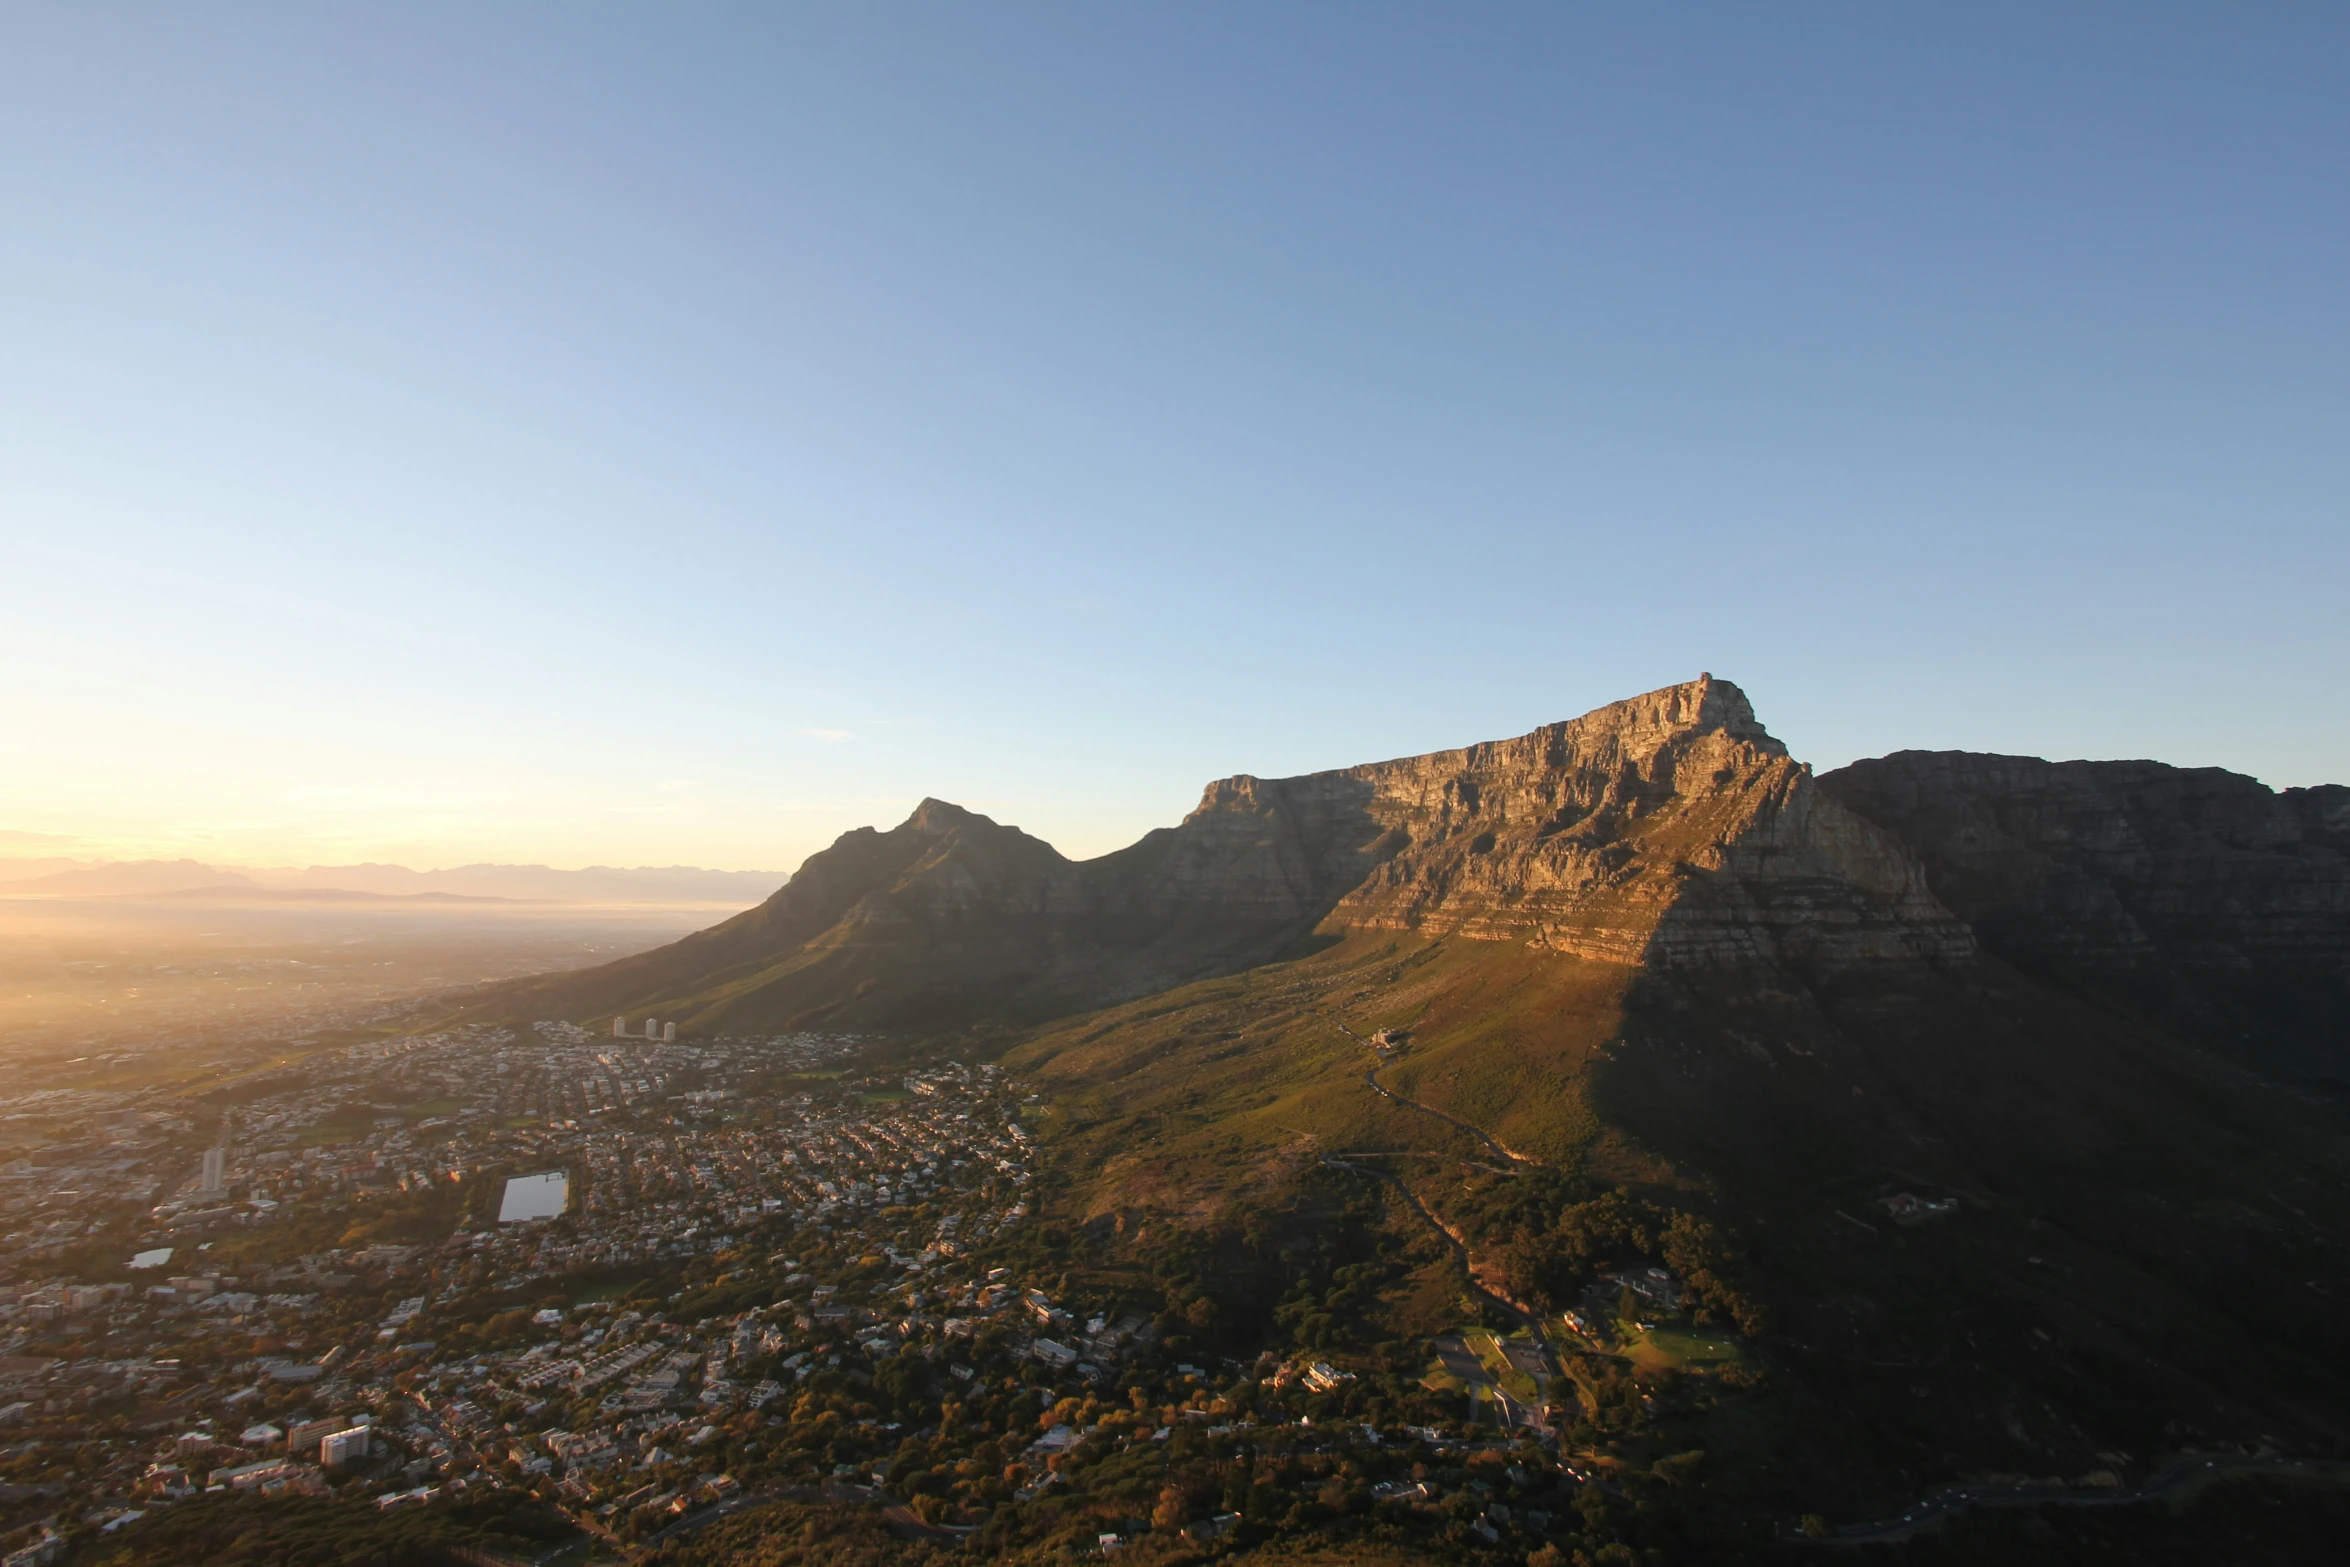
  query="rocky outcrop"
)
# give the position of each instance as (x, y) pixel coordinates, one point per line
(1668, 829)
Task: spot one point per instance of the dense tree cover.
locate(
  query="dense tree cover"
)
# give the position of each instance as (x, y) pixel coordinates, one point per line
(1304, 1277)
(2243, 1521)
(1553, 1232)
(790, 1534)
(239, 1531)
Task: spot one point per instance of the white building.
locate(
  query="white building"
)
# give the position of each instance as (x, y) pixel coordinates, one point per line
(343, 1446)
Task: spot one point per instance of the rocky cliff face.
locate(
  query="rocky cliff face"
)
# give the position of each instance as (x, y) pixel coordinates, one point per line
(1669, 829)
(2116, 865)
(2193, 895)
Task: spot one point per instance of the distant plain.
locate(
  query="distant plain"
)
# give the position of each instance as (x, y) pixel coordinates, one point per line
(80, 975)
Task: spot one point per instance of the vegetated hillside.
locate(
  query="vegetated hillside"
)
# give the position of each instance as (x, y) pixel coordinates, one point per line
(2144, 1252)
(950, 918)
(1669, 828)
(1968, 1098)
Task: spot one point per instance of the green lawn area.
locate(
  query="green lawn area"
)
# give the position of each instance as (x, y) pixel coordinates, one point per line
(885, 1096)
(1678, 1346)
(1514, 1382)
(1562, 1334)
(351, 1121)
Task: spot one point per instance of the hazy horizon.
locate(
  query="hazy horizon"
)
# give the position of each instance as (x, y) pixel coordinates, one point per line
(9, 857)
(441, 435)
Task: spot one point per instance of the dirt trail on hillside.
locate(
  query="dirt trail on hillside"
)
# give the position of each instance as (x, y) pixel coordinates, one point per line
(1451, 1238)
(1371, 1077)
(1459, 1248)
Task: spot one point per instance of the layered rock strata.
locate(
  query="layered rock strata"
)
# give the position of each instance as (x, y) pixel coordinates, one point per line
(1668, 829)
(2117, 865)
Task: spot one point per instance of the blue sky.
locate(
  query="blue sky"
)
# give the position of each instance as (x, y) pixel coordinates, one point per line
(644, 434)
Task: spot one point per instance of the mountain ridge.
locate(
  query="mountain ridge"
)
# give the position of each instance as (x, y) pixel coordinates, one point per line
(1669, 828)
(2196, 894)
(2004, 1095)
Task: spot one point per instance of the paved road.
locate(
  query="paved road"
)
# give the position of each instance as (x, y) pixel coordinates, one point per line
(1453, 1352)
(2191, 1469)
(701, 1518)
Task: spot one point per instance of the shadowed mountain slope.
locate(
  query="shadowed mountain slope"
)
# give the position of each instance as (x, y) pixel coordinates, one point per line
(2145, 1245)
(1985, 1079)
(1667, 829)
(2195, 895)
(2144, 1250)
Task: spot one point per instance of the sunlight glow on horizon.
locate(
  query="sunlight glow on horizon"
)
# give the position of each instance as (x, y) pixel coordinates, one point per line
(446, 434)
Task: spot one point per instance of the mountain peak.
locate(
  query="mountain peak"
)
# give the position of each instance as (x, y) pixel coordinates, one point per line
(1706, 705)
(942, 816)
(1668, 827)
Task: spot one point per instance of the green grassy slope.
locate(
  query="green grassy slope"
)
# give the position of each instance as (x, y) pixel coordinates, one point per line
(1184, 1098)
(2140, 1256)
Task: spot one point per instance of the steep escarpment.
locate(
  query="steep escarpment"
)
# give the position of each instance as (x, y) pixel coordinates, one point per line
(2013, 1209)
(1669, 829)
(1948, 1052)
(2200, 893)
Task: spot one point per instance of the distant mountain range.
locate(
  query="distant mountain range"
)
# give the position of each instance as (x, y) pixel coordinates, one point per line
(532, 883)
(2024, 1085)
(123, 878)
(251, 894)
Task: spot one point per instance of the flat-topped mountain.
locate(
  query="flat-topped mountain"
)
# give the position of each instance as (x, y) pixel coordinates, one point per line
(2106, 865)
(1998, 1105)
(1667, 829)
